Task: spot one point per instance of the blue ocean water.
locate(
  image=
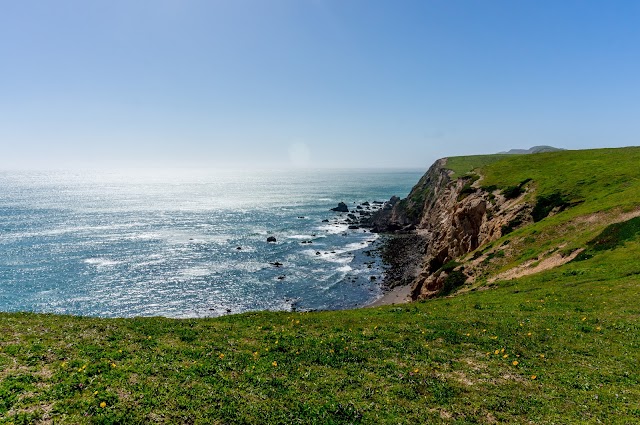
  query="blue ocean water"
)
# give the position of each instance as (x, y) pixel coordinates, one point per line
(164, 243)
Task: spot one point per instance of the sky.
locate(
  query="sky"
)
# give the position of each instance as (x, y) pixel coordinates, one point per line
(311, 83)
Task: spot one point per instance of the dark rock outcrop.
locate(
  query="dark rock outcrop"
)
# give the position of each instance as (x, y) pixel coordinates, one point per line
(271, 239)
(342, 207)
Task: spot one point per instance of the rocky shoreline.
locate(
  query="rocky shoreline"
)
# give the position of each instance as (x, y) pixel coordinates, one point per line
(400, 250)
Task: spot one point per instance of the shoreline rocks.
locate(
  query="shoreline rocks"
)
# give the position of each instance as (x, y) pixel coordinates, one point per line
(342, 207)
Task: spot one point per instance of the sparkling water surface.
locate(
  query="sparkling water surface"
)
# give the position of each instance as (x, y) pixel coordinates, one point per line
(164, 243)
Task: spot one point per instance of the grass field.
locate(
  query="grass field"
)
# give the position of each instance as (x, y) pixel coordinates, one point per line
(561, 346)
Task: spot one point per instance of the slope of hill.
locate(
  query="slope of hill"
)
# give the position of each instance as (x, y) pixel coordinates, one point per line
(561, 345)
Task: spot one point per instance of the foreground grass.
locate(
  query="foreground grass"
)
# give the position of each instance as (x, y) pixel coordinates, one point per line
(558, 347)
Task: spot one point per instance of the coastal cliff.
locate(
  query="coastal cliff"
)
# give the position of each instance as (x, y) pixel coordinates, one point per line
(449, 217)
(472, 221)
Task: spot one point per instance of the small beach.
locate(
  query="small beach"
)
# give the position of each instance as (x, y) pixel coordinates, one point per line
(398, 295)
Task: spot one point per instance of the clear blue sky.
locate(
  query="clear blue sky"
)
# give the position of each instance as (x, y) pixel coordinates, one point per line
(322, 83)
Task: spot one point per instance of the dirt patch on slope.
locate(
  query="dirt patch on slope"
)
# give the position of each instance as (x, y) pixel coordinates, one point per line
(558, 259)
(532, 267)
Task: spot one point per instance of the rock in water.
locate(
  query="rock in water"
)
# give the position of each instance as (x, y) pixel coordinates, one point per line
(271, 239)
(342, 207)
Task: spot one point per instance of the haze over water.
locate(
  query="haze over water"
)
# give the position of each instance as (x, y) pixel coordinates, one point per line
(122, 244)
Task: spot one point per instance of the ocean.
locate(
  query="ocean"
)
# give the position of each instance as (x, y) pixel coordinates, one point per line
(165, 242)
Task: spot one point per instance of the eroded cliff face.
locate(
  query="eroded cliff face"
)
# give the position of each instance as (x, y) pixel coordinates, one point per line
(451, 218)
(404, 215)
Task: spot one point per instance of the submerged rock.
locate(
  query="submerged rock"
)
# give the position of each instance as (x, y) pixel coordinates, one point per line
(271, 239)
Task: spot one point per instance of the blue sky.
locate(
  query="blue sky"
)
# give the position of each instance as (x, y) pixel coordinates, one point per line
(311, 83)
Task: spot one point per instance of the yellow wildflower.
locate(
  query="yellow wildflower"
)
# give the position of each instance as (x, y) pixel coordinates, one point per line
(103, 404)
(95, 393)
(113, 365)
(416, 370)
(274, 364)
(505, 356)
(497, 352)
(533, 376)
(221, 356)
(515, 363)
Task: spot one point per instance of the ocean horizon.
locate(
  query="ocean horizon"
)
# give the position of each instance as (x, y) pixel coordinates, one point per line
(189, 242)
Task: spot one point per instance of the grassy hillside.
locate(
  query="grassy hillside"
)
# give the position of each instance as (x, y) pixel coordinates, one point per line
(560, 346)
(592, 188)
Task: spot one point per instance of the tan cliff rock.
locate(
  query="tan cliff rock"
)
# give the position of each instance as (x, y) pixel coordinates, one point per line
(452, 218)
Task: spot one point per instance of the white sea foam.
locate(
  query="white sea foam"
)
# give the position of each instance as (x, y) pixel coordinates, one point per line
(101, 262)
(300, 237)
(333, 229)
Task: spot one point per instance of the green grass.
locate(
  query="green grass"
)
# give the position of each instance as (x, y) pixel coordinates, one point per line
(461, 165)
(600, 178)
(575, 328)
